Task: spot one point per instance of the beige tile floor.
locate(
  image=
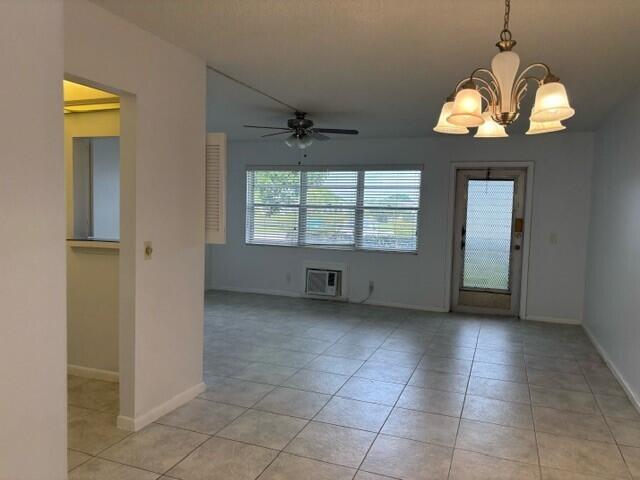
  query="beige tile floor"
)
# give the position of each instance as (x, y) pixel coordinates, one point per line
(302, 389)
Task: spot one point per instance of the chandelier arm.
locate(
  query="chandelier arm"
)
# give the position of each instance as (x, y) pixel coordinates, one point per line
(493, 85)
(524, 73)
(521, 88)
(480, 89)
(521, 95)
(488, 87)
(486, 71)
(460, 84)
(486, 99)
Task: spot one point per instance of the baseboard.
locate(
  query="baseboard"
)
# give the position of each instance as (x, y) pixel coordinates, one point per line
(634, 397)
(563, 321)
(95, 373)
(286, 293)
(134, 424)
(259, 291)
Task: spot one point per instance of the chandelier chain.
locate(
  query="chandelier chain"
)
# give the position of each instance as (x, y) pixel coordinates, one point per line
(507, 11)
(505, 34)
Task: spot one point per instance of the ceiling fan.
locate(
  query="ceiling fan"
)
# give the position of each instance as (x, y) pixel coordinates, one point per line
(302, 131)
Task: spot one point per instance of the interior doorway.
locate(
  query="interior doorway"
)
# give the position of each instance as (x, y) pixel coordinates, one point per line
(488, 243)
(92, 188)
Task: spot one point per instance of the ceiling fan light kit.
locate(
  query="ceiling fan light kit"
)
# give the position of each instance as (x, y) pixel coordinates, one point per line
(302, 132)
(501, 89)
(298, 142)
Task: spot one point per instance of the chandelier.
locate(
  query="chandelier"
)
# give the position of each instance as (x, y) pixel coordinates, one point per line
(500, 91)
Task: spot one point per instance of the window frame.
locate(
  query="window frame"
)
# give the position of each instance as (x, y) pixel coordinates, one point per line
(302, 206)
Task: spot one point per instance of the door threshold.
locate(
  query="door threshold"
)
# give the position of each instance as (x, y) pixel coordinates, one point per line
(485, 311)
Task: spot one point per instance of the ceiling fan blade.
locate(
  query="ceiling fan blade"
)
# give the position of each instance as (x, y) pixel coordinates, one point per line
(340, 131)
(269, 128)
(276, 133)
(318, 136)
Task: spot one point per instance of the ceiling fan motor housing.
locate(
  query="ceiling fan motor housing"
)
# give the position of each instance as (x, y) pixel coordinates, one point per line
(300, 123)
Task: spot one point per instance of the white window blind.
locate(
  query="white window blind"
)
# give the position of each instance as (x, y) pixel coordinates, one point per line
(350, 208)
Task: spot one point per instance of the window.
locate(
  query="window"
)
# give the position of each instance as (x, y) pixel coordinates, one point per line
(96, 188)
(351, 208)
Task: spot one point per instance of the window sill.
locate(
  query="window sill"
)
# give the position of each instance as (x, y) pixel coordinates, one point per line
(336, 248)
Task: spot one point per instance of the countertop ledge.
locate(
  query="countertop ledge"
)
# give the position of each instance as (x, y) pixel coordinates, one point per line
(104, 245)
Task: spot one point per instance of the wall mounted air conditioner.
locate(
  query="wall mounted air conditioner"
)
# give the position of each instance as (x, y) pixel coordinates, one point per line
(324, 283)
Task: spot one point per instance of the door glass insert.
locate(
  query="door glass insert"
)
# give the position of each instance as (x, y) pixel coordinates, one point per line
(487, 247)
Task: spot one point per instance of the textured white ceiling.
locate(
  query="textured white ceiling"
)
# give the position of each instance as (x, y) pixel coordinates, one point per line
(385, 66)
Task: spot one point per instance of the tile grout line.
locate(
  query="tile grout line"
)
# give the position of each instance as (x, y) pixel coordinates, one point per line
(336, 395)
(377, 434)
(398, 327)
(533, 421)
(394, 405)
(464, 402)
(308, 420)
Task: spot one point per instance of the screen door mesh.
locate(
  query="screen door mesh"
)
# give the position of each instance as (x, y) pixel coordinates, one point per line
(487, 250)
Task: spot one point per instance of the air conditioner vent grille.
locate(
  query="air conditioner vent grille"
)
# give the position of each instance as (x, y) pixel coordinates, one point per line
(323, 282)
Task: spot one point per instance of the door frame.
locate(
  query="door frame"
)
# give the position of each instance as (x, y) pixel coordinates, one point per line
(463, 177)
(126, 251)
(528, 166)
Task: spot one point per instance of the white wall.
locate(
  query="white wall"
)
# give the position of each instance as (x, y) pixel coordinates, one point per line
(613, 274)
(32, 251)
(560, 207)
(162, 91)
(92, 308)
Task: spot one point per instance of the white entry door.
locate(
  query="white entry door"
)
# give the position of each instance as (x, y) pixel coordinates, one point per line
(488, 237)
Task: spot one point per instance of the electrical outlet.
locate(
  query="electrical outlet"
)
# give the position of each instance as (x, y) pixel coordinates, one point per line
(371, 286)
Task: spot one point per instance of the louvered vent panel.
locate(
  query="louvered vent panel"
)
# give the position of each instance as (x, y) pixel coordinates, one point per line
(215, 215)
(317, 282)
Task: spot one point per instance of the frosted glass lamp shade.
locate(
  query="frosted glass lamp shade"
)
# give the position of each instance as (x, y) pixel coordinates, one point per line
(305, 142)
(490, 128)
(467, 109)
(445, 127)
(292, 141)
(535, 128)
(552, 104)
(299, 142)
